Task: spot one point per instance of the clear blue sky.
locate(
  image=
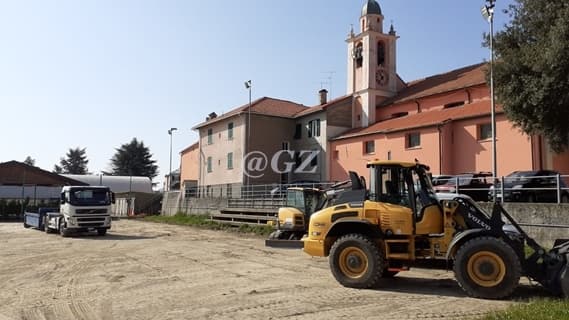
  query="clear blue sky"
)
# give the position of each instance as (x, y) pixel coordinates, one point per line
(96, 73)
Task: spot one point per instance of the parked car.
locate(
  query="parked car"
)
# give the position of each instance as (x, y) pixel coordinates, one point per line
(531, 186)
(440, 179)
(475, 185)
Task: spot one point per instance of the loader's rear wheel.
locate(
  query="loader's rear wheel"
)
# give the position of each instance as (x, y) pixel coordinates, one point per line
(356, 261)
(487, 267)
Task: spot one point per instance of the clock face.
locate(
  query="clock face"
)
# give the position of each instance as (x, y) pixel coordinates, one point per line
(381, 77)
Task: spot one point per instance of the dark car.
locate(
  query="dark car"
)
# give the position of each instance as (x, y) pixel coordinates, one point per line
(475, 185)
(440, 179)
(531, 186)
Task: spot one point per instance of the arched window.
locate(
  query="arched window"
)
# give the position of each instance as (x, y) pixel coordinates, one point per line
(358, 54)
(380, 53)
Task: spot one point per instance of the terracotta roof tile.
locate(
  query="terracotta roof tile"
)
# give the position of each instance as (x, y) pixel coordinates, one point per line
(445, 82)
(424, 119)
(265, 106)
(321, 107)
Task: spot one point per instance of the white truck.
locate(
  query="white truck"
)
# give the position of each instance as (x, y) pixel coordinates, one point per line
(82, 208)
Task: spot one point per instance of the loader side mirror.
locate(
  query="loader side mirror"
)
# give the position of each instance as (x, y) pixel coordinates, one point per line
(113, 197)
(62, 198)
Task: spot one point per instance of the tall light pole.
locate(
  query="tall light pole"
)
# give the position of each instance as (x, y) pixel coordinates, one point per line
(488, 14)
(170, 174)
(248, 86)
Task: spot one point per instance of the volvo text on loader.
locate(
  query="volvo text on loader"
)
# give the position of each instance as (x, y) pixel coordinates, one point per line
(399, 223)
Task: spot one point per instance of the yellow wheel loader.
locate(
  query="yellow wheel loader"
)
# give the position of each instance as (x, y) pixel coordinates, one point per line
(398, 223)
(292, 219)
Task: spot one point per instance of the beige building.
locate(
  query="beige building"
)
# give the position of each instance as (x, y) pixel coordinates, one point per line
(287, 143)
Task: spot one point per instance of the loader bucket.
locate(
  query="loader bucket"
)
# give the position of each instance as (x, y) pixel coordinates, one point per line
(560, 274)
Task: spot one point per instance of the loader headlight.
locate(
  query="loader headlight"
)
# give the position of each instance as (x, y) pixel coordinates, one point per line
(316, 233)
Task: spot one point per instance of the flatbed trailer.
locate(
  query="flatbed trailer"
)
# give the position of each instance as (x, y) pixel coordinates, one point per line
(37, 220)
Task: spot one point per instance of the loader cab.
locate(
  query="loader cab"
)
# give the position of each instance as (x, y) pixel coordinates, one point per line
(307, 200)
(407, 186)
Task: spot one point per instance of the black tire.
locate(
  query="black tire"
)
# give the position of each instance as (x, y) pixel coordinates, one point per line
(389, 274)
(531, 198)
(101, 232)
(63, 231)
(487, 267)
(26, 225)
(356, 261)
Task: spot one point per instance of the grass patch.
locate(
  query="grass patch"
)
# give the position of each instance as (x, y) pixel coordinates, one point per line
(536, 309)
(203, 221)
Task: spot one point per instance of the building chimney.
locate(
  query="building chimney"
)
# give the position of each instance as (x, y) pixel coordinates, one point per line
(323, 96)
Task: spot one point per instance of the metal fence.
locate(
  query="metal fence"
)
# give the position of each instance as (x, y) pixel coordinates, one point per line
(512, 188)
(239, 191)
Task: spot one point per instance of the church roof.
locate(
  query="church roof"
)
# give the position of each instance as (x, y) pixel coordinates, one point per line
(424, 119)
(371, 7)
(452, 80)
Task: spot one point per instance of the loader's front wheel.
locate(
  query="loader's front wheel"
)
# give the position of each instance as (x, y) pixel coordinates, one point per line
(487, 267)
(356, 261)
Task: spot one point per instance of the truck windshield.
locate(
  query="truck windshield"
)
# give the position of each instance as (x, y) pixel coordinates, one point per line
(89, 197)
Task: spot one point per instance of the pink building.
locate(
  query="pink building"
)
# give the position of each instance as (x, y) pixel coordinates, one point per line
(442, 120)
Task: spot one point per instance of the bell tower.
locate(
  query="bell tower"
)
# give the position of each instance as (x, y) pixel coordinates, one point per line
(372, 74)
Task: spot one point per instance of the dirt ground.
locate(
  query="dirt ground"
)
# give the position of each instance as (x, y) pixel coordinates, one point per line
(142, 270)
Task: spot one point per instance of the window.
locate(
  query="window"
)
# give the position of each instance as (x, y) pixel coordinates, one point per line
(485, 131)
(298, 131)
(413, 140)
(369, 147)
(359, 55)
(230, 160)
(208, 164)
(314, 128)
(388, 155)
(209, 136)
(230, 131)
(229, 190)
(380, 53)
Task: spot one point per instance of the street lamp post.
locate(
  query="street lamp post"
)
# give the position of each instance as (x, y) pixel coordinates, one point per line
(248, 86)
(170, 174)
(488, 14)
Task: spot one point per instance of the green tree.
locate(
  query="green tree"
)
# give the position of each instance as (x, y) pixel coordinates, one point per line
(532, 68)
(133, 158)
(75, 162)
(29, 161)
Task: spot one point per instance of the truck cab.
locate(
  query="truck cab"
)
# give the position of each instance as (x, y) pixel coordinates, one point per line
(82, 208)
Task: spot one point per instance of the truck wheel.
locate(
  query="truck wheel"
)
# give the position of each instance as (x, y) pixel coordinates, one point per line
(356, 261)
(101, 232)
(487, 267)
(45, 227)
(26, 225)
(63, 231)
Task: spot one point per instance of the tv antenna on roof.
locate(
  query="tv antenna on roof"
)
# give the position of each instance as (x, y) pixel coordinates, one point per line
(329, 82)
